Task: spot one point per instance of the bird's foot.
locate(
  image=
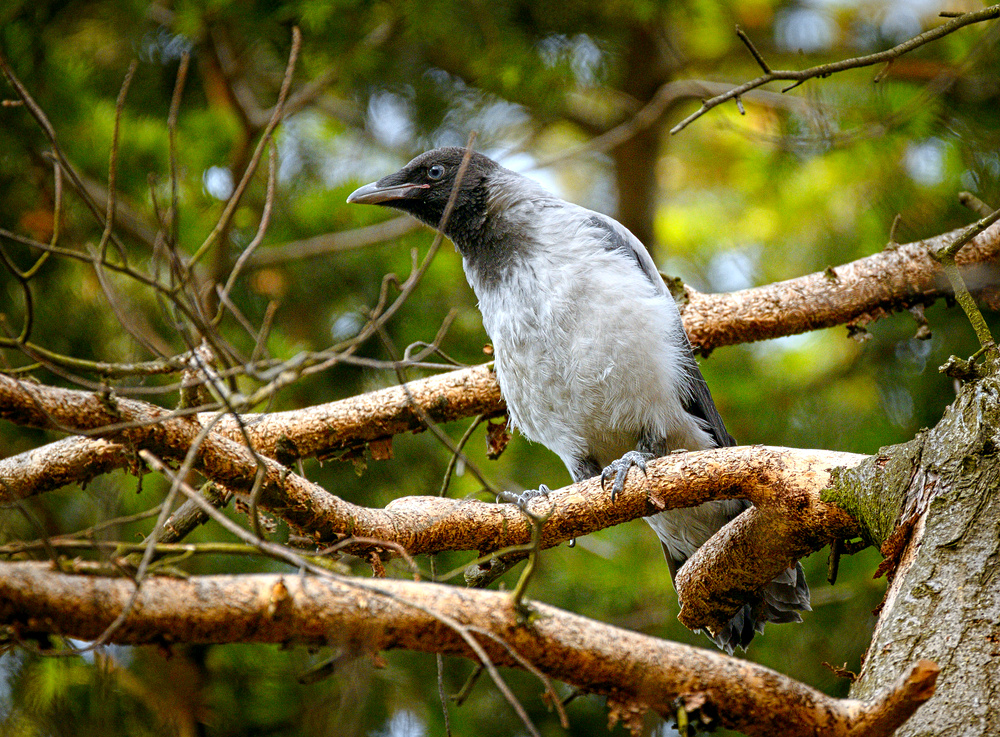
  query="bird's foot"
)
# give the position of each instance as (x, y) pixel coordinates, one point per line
(523, 498)
(620, 468)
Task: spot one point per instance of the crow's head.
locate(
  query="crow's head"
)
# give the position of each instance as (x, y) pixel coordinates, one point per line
(422, 189)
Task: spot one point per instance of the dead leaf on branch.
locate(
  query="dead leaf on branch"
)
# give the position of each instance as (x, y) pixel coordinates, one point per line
(497, 437)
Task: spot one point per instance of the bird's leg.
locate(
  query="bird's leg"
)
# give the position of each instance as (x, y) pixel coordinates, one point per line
(523, 498)
(620, 468)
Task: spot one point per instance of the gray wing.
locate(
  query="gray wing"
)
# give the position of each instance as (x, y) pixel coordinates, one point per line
(701, 406)
(788, 594)
(616, 237)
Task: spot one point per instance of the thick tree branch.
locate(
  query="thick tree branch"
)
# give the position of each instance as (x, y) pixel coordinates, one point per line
(785, 485)
(312, 432)
(788, 521)
(859, 292)
(385, 614)
(137, 425)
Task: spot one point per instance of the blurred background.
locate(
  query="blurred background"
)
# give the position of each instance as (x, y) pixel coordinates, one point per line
(802, 181)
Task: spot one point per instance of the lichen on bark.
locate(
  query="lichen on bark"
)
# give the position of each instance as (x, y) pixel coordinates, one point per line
(873, 491)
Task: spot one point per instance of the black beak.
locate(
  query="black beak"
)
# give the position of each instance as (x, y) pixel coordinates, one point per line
(373, 194)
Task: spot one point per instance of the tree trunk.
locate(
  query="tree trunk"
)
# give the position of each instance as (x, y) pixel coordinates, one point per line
(635, 178)
(646, 67)
(942, 603)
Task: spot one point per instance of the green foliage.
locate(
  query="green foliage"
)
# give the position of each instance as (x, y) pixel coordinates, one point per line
(798, 184)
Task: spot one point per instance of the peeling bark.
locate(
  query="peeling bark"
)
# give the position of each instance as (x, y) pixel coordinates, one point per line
(382, 614)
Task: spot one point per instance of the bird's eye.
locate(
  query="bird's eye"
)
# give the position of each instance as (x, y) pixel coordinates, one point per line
(435, 172)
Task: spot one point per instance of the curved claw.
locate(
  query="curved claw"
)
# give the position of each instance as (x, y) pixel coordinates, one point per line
(620, 469)
(522, 499)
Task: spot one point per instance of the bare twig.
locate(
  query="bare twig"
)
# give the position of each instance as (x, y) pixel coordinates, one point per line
(265, 139)
(265, 219)
(42, 119)
(668, 95)
(175, 106)
(975, 204)
(946, 256)
(322, 245)
(455, 456)
(113, 165)
(753, 50)
(825, 70)
(442, 437)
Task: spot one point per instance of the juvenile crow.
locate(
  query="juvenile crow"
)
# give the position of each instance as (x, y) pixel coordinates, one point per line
(591, 355)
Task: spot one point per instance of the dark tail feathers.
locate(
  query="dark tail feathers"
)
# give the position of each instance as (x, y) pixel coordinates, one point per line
(780, 601)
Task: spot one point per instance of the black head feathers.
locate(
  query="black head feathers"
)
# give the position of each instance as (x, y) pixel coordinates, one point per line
(422, 189)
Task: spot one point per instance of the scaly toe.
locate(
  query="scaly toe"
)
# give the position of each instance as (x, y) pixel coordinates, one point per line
(522, 499)
(620, 469)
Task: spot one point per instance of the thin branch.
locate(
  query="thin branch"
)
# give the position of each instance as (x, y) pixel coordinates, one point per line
(118, 546)
(437, 432)
(457, 454)
(946, 256)
(265, 139)
(753, 50)
(185, 519)
(668, 95)
(825, 70)
(113, 165)
(265, 219)
(975, 204)
(323, 245)
(40, 117)
(175, 106)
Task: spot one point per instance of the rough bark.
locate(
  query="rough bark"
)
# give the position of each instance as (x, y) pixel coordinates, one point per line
(943, 602)
(433, 524)
(367, 616)
(318, 431)
(858, 292)
(788, 521)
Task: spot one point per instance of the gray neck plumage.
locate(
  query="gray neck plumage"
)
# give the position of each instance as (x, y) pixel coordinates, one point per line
(495, 234)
